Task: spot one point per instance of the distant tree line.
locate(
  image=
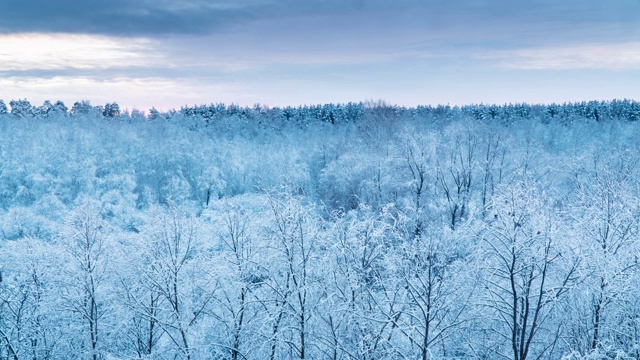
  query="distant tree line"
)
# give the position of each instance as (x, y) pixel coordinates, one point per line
(342, 113)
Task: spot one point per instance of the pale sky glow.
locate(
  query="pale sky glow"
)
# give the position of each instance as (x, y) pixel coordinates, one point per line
(625, 56)
(284, 52)
(70, 51)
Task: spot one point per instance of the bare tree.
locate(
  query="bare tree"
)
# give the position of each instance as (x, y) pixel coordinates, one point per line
(85, 240)
(239, 273)
(438, 291)
(528, 270)
(456, 174)
(173, 274)
(143, 305)
(294, 232)
(606, 217)
(366, 302)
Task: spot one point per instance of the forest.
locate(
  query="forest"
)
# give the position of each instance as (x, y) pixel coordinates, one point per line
(339, 231)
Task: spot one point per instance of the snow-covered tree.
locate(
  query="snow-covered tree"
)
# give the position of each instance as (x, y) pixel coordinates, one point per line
(528, 269)
(111, 110)
(3, 108)
(21, 108)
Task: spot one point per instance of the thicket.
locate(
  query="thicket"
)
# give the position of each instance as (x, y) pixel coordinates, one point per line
(357, 231)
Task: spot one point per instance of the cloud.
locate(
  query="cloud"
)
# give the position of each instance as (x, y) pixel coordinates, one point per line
(153, 18)
(62, 51)
(456, 22)
(124, 17)
(622, 56)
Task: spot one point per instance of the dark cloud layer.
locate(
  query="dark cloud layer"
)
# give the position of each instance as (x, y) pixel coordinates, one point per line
(122, 17)
(149, 17)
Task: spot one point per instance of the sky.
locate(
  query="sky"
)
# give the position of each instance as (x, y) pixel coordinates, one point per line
(167, 54)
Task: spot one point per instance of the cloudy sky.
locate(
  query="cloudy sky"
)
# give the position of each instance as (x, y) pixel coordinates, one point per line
(169, 53)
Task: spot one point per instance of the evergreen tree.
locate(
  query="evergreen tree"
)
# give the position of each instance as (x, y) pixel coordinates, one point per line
(21, 108)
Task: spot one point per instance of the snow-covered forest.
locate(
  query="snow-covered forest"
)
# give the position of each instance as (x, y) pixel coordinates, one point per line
(346, 231)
